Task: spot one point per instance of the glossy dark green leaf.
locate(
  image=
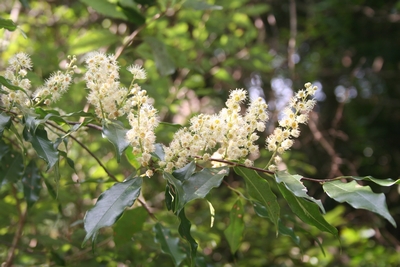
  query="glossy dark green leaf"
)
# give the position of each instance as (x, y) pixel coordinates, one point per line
(42, 145)
(32, 183)
(7, 24)
(5, 122)
(159, 152)
(184, 231)
(175, 191)
(169, 244)
(307, 211)
(132, 13)
(115, 133)
(283, 230)
(200, 5)
(4, 149)
(164, 62)
(359, 197)
(293, 184)
(200, 184)
(185, 172)
(12, 167)
(234, 232)
(130, 223)
(110, 205)
(260, 191)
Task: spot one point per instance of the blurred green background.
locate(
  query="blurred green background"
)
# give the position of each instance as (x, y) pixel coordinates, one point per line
(195, 52)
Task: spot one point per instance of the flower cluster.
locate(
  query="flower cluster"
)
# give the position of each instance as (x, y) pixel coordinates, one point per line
(228, 134)
(51, 91)
(16, 73)
(102, 78)
(296, 113)
(56, 85)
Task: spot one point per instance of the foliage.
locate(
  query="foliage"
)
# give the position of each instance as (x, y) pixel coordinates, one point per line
(122, 144)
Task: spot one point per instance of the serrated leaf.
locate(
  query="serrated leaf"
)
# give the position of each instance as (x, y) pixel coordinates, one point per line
(130, 223)
(5, 122)
(42, 145)
(164, 63)
(184, 231)
(234, 232)
(293, 184)
(260, 191)
(115, 133)
(7, 24)
(32, 185)
(200, 5)
(307, 211)
(110, 205)
(359, 197)
(283, 230)
(169, 244)
(200, 184)
(12, 167)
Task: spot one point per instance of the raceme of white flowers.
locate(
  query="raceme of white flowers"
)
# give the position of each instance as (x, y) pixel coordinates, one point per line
(229, 135)
(51, 91)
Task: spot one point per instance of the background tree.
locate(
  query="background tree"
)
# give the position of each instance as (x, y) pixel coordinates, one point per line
(194, 53)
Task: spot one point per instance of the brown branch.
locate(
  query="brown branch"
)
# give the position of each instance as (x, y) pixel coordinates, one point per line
(87, 150)
(18, 233)
(151, 214)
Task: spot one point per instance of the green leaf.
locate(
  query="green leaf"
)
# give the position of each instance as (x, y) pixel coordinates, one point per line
(169, 244)
(283, 230)
(234, 231)
(381, 182)
(42, 145)
(130, 223)
(359, 197)
(7, 84)
(7, 24)
(200, 5)
(174, 193)
(260, 191)
(307, 211)
(159, 152)
(5, 122)
(11, 167)
(31, 181)
(105, 8)
(4, 149)
(184, 231)
(132, 13)
(200, 184)
(110, 205)
(293, 184)
(164, 63)
(115, 133)
(185, 172)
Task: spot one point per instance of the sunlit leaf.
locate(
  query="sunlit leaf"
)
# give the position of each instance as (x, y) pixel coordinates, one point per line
(7, 24)
(260, 191)
(105, 8)
(234, 232)
(184, 231)
(169, 244)
(164, 62)
(110, 205)
(293, 184)
(31, 181)
(131, 222)
(359, 197)
(307, 211)
(10, 86)
(115, 133)
(381, 182)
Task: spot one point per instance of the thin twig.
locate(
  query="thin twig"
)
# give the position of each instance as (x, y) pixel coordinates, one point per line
(87, 150)
(18, 233)
(151, 214)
